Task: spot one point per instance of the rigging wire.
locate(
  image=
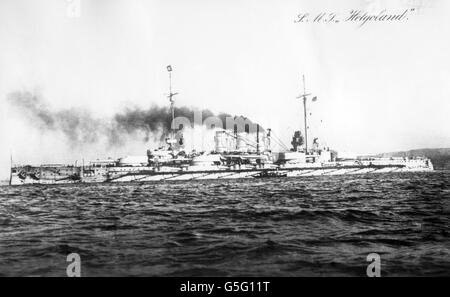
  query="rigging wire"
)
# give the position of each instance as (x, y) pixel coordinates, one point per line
(254, 144)
(278, 141)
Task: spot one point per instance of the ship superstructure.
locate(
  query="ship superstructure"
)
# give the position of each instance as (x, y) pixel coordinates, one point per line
(236, 154)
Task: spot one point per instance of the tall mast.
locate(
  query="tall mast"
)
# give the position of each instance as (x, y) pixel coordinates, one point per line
(172, 101)
(10, 170)
(257, 139)
(305, 115)
(304, 96)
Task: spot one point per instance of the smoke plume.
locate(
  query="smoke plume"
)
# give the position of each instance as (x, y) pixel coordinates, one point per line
(80, 126)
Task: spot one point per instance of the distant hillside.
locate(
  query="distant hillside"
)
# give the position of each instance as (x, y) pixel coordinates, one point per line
(439, 157)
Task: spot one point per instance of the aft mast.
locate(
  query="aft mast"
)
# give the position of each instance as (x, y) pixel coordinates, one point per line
(304, 96)
(10, 170)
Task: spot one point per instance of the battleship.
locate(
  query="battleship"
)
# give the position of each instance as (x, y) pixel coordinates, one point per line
(237, 153)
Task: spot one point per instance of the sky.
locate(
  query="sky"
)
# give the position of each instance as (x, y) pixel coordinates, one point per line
(381, 87)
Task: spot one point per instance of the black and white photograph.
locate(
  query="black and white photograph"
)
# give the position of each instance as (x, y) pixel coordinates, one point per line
(235, 141)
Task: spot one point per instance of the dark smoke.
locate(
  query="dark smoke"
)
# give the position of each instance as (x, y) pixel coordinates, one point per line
(80, 126)
(77, 124)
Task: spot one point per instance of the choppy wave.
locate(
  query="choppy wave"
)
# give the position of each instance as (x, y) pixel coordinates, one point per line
(310, 226)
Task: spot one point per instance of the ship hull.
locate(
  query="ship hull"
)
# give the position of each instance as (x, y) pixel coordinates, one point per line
(151, 174)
